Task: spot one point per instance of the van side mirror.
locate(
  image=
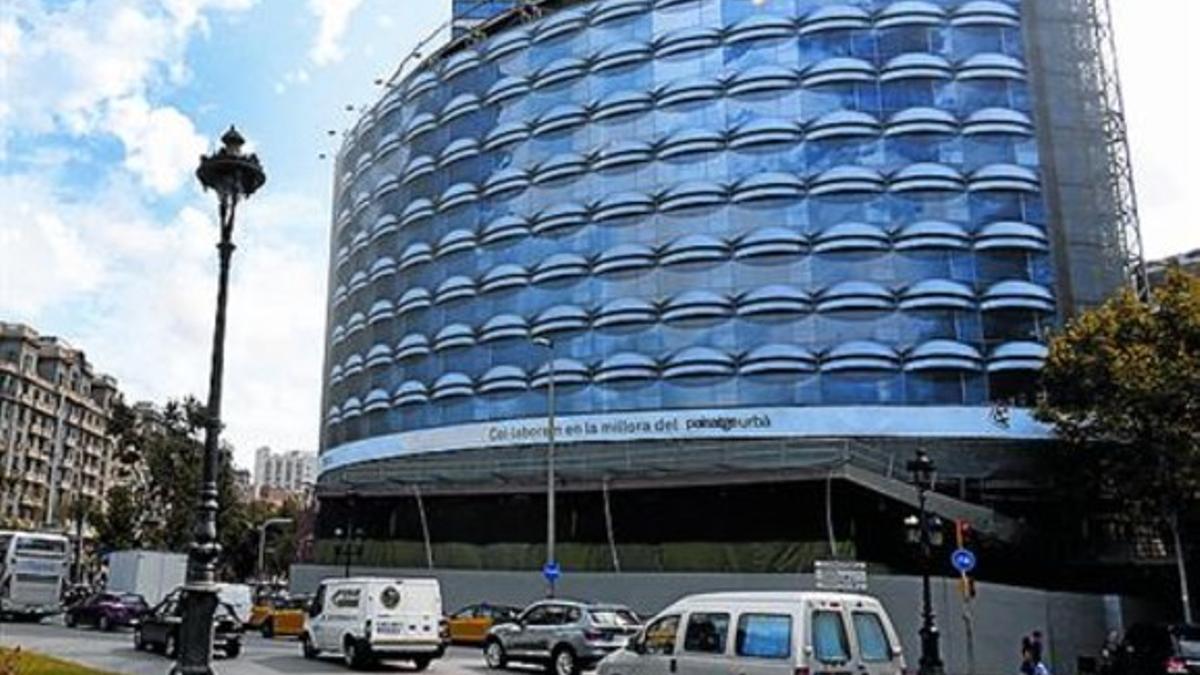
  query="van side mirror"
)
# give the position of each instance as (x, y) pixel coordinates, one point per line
(637, 645)
(314, 609)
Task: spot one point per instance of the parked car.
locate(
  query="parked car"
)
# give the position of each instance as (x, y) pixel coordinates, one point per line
(470, 625)
(1159, 649)
(76, 593)
(159, 629)
(285, 616)
(106, 610)
(563, 635)
(366, 619)
(764, 632)
(264, 601)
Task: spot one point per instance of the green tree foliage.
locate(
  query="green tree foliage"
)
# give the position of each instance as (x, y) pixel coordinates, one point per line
(172, 452)
(1122, 386)
(118, 528)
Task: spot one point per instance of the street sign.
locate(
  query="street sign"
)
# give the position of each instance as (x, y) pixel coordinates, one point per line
(841, 575)
(551, 571)
(963, 560)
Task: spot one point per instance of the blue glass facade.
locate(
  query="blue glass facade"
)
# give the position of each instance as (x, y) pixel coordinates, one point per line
(703, 204)
(468, 13)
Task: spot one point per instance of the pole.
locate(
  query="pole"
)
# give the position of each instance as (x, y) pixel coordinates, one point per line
(931, 661)
(1181, 565)
(262, 550)
(829, 515)
(424, 526)
(200, 594)
(346, 548)
(608, 523)
(550, 497)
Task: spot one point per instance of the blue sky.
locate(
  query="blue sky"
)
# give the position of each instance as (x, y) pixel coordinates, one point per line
(107, 240)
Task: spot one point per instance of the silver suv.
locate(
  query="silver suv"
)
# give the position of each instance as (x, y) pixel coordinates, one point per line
(563, 635)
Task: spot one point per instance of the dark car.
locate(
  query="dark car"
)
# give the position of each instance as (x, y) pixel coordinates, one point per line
(1159, 649)
(563, 635)
(159, 629)
(107, 610)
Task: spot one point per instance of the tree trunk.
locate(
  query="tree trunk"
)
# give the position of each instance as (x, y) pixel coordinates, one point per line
(1182, 566)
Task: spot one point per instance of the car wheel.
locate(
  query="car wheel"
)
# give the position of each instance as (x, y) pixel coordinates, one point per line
(233, 649)
(564, 662)
(356, 657)
(138, 643)
(70, 620)
(308, 648)
(268, 629)
(104, 624)
(422, 662)
(494, 656)
(169, 647)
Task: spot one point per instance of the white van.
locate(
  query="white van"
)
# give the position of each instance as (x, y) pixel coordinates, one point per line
(764, 633)
(239, 598)
(365, 619)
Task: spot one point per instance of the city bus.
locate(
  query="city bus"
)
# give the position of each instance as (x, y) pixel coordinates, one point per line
(33, 572)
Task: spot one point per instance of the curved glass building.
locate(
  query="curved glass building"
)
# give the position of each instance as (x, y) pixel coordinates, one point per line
(711, 220)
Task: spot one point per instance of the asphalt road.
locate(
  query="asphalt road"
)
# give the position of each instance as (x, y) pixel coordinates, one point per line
(114, 652)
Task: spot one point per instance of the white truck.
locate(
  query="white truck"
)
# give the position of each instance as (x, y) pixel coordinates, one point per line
(150, 574)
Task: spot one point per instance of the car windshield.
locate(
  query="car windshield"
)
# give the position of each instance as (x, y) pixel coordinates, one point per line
(132, 599)
(613, 617)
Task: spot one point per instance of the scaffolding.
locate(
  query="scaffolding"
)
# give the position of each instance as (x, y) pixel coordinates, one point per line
(1119, 175)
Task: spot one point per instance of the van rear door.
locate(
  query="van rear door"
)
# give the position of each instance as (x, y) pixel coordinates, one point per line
(878, 650)
(829, 647)
(408, 610)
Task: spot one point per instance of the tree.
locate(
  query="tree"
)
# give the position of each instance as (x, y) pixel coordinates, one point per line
(172, 452)
(1122, 386)
(118, 528)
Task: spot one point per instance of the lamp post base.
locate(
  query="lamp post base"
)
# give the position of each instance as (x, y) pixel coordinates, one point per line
(931, 657)
(198, 604)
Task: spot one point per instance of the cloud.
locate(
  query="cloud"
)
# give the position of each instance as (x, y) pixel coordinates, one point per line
(333, 17)
(87, 69)
(136, 291)
(161, 143)
(43, 260)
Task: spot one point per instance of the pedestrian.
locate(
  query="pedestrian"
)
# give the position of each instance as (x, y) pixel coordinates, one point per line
(1027, 662)
(1035, 646)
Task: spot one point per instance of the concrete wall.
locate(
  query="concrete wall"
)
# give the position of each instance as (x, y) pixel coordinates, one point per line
(1074, 624)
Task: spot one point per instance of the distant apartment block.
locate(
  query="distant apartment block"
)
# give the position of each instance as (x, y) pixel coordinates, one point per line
(292, 471)
(54, 416)
(1189, 262)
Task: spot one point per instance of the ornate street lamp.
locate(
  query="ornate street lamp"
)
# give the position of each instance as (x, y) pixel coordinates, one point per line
(925, 531)
(233, 176)
(551, 569)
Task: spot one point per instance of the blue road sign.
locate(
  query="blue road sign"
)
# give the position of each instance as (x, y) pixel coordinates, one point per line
(551, 571)
(963, 560)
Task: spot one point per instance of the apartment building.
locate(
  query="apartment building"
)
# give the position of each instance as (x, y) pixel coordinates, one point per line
(54, 415)
(294, 471)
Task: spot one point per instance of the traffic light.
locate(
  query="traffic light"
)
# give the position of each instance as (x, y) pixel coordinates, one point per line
(964, 536)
